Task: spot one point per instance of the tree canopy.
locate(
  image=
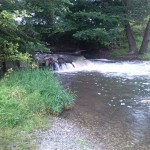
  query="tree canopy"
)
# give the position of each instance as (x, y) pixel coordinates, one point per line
(28, 25)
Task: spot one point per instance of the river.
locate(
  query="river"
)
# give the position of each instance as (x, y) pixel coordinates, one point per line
(113, 101)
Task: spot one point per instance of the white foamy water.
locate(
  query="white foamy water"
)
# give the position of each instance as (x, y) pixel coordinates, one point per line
(112, 68)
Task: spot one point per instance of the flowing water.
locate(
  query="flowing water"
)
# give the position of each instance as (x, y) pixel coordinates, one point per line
(113, 101)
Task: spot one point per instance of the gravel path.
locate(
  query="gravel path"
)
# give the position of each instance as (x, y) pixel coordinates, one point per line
(66, 135)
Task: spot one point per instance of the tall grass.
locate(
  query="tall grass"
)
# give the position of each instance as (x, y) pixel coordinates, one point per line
(28, 92)
(119, 53)
(27, 98)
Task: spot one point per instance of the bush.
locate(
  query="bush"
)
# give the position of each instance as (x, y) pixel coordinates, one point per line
(119, 53)
(145, 56)
(28, 92)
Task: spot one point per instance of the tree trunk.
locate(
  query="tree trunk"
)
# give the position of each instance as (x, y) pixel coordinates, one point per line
(131, 40)
(18, 64)
(146, 39)
(4, 69)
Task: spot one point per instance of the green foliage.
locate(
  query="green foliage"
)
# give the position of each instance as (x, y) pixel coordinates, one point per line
(27, 98)
(30, 92)
(16, 139)
(98, 22)
(9, 40)
(8, 28)
(31, 47)
(10, 52)
(16, 39)
(119, 53)
(20, 137)
(91, 21)
(99, 35)
(47, 14)
(138, 10)
(145, 56)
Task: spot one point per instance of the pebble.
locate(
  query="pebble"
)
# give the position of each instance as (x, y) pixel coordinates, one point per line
(66, 135)
(122, 104)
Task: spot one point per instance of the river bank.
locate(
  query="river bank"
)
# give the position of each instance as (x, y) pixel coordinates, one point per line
(72, 135)
(66, 135)
(28, 99)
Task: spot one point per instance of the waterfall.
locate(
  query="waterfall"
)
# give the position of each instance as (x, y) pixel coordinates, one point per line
(74, 63)
(109, 67)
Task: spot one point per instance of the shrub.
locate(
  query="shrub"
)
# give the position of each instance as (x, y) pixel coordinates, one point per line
(119, 53)
(145, 56)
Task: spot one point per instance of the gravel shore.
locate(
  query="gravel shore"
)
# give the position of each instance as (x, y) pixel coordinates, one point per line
(66, 135)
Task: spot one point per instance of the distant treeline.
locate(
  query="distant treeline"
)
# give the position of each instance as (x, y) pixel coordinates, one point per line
(30, 25)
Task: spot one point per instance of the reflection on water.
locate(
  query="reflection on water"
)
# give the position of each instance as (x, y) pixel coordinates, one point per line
(111, 106)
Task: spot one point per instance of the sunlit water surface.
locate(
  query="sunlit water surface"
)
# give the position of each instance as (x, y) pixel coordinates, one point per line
(113, 101)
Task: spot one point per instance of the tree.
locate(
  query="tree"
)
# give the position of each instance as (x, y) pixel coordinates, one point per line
(129, 34)
(94, 22)
(136, 11)
(14, 39)
(9, 47)
(146, 39)
(44, 16)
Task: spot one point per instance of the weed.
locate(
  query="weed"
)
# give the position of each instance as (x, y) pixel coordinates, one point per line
(27, 97)
(145, 56)
(119, 53)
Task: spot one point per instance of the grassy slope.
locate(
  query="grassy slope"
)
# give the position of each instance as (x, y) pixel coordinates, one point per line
(27, 98)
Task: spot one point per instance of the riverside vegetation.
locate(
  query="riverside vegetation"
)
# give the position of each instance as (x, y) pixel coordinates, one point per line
(27, 97)
(27, 100)
(33, 25)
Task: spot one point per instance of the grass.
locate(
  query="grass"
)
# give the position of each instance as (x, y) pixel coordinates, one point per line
(138, 32)
(119, 53)
(144, 56)
(20, 137)
(27, 98)
(82, 144)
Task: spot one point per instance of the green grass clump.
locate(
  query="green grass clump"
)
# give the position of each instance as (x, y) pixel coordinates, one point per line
(28, 92)
(19, 138)
(144, 56)
(119, 53)
(27, 98)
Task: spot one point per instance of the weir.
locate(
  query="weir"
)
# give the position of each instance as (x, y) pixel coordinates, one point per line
(110, 67)
(78, 63)
(57, 61)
